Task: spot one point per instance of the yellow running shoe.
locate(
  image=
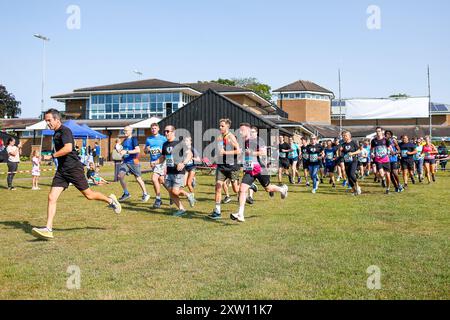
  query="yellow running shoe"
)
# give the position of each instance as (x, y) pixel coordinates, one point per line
(42, 233)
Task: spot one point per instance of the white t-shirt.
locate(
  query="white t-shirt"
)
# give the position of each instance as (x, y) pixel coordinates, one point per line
(11, 158)
(362, 157)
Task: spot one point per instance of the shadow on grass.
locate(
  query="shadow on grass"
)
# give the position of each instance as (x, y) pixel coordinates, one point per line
(168, 212)
(26, 227)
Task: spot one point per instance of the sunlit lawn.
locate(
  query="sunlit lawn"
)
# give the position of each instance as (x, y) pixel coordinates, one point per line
(305, 247)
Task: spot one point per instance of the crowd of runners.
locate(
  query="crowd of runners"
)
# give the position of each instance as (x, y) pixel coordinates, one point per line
(394, 164)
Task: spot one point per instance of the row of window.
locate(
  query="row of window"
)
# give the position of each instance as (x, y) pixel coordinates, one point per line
(131, 108)
(294, 96)
(187, 98)
(125, 116)
(29, 134)
(135, 98)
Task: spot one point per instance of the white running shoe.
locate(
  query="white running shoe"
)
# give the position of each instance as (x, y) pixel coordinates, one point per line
(237, 217)
(115, 205)
(191, 200)
(284, 193)
(145, 197)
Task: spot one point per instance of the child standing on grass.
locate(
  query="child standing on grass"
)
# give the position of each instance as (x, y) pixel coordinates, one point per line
(36, 170)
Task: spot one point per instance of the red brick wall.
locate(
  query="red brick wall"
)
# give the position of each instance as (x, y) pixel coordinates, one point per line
(307, 110)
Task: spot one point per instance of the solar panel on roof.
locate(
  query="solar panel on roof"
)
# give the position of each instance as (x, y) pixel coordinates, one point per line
(439, 107)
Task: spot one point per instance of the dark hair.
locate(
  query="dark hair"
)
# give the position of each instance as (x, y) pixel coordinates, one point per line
(378, 128)
(389, 132)
(55, 113)
(226, 121)
(9, 140)
(245, 124)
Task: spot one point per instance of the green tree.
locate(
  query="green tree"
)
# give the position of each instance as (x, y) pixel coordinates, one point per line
(9, 106)
(227, 82)
(249, 83)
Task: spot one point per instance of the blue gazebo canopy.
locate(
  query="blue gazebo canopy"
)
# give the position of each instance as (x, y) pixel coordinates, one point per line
(93, 134)
(79, 132)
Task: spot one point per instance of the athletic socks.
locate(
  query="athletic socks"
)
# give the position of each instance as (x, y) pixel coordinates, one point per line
(218, 208)
(241, 210)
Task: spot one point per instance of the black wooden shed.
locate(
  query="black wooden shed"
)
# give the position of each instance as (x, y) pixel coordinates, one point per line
(209, 108)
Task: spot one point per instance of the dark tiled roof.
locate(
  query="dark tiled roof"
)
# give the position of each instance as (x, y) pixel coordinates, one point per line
(71, 95)
(303, 85)
(20, 123)
(136, 85)
(205, 86)
(282, 121)
(323, 130)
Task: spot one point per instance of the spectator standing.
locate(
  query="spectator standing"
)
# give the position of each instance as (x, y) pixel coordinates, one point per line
(13, 160)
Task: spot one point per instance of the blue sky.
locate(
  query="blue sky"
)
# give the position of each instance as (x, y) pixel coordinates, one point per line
(277, 42)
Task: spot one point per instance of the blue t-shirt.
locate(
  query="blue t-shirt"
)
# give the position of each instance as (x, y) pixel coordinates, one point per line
(368, 152)
(129, 145)
(393, 156)
(295, 151)
(330, 154)
(97, 150)
(155, 143)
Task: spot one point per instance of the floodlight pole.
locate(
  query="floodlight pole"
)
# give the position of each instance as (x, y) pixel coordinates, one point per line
(429, 102)
(340, 103)
(44, 40)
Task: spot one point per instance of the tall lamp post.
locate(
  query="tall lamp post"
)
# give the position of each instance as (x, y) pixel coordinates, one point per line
(44, 40)
(340, 104)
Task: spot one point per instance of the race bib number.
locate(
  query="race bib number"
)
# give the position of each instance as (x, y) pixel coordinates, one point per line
(348, 157)
(283, 155)
(381, 151)
(313, 157)
(169, 161)
(155, 151)
(248, 164)
(404, 153)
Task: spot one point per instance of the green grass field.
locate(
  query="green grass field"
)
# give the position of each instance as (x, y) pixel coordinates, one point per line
(305, 247)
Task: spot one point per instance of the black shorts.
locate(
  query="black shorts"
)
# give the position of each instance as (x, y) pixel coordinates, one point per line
(330, 167)
(305, 164)
(339, 160)
(385, 166)
(394, 165)
(430, 161)
(362, 164)
(74, 176)
(292, 160)
(264, 180)
(284, 163)
(408, 164)
(190, 168)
